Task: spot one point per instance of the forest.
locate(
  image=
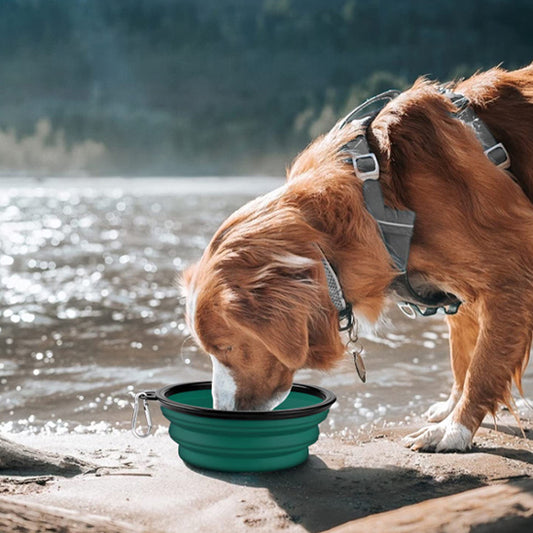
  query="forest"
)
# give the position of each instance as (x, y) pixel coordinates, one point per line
(190, 87)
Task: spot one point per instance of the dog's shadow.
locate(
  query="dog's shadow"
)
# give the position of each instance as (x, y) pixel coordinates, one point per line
(525, 456)
(516, 454)
(320, 498)
(509, 429)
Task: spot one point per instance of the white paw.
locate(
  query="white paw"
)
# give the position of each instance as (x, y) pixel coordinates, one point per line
(439, 411)
(446, 436)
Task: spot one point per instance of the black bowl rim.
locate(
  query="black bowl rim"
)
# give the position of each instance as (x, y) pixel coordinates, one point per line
(328, 398)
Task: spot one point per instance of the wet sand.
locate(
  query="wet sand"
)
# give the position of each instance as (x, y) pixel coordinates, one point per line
(144, 484)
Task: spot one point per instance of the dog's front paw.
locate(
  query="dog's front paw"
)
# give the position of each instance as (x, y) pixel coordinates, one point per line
(439, 411)
(447, 436)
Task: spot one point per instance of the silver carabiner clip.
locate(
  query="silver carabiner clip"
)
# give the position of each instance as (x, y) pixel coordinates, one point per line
(144, 396)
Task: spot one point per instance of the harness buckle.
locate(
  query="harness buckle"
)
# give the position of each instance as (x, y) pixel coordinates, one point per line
(366, 166)
(346, 321)
(499, 155)
(411, 310)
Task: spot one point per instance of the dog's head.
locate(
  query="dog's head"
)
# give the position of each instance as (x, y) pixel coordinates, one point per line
(257, 302)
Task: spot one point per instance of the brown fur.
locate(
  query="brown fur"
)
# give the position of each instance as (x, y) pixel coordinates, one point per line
(473, 237)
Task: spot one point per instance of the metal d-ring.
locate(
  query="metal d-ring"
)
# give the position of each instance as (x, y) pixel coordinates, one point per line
(144, 396)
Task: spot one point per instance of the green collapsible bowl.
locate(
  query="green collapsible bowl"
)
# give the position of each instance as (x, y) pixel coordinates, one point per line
(243, 441)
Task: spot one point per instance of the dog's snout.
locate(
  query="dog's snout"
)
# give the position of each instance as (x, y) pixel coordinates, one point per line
(223, 388)
(248, 404)
(258, 404)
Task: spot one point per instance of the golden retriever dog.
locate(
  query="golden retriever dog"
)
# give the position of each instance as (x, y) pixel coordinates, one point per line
(258, 300)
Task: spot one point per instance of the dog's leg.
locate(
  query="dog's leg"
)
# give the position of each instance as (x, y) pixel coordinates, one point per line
(464, 330)
(499, 352)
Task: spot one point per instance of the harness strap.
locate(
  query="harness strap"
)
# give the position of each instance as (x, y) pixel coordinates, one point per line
(494, 150)
(396, 226)
(382, 98)
(413, 303)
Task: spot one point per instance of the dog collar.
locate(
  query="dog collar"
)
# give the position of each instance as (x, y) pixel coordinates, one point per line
(344, 308)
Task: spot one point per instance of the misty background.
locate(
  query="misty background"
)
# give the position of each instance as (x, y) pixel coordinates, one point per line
(232, 87)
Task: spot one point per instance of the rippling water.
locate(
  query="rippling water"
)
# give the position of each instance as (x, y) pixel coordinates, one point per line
(90, 310)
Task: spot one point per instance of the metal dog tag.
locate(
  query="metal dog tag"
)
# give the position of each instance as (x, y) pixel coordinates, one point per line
(359, 365)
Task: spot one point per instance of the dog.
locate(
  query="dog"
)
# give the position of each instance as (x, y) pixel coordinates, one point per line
(258, 301)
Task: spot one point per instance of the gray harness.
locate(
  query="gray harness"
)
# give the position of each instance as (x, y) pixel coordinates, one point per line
(396, 226)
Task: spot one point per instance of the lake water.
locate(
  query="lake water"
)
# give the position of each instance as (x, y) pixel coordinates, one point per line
(90, 310)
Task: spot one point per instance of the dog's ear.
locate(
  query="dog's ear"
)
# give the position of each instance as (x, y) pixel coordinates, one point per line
(274, 304)
(286, 336)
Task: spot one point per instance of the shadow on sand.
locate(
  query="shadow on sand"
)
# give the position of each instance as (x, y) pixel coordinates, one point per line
(522, 455)
(320, 498)
(508, 429)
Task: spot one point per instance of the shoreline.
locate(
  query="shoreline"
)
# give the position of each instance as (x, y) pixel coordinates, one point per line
(153, 185)
(143, 483)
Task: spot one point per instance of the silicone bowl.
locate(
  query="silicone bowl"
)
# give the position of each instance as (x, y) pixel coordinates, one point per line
(243, 441)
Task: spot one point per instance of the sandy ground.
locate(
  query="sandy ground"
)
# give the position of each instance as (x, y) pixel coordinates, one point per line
(144, 483)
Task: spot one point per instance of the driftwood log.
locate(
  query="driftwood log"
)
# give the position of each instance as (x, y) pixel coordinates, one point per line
(18, 459)
(37, 518)
(21, 460)
(494, 509)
